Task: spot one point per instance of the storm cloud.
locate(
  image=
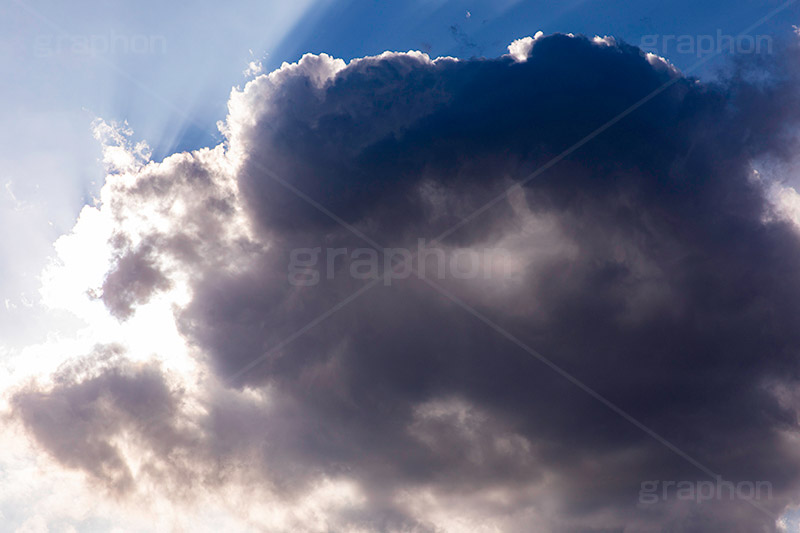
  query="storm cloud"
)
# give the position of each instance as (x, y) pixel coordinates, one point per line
(652, 264)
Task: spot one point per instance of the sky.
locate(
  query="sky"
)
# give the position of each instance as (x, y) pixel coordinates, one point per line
(409, 266)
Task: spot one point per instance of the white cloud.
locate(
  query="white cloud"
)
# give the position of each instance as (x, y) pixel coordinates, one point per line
(520, 49)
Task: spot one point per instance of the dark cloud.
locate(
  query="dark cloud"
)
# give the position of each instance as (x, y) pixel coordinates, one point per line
(99, 404)
(650, 266)
(134, 279)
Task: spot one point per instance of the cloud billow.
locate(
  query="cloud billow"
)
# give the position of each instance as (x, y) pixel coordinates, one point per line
(651, 264)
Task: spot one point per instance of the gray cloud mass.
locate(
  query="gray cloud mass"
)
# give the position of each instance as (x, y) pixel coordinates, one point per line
(650, 265)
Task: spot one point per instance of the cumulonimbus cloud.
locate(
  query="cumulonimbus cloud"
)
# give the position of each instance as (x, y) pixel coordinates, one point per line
(650, 264)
